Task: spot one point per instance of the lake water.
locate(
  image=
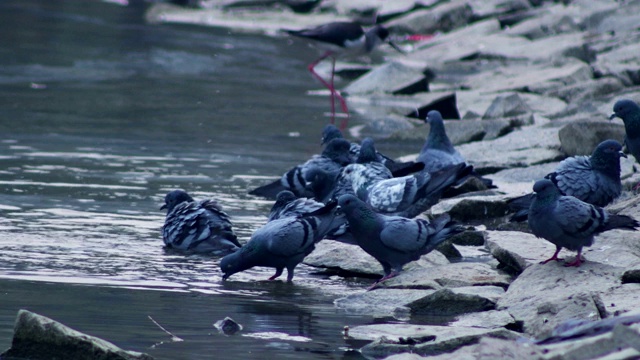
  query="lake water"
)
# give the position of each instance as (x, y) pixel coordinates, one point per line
(100, 116)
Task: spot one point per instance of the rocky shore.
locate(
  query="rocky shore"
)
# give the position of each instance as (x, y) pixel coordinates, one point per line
(522, 84)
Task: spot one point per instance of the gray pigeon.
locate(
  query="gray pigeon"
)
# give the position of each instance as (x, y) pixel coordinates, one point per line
(593, 179)
(283, 243)
(331, 132)
(406, 196)
(394, 240)
(197, 226)
(568, 222)
(438, 151)
(287, 204)
(629, 112)
(334, 156)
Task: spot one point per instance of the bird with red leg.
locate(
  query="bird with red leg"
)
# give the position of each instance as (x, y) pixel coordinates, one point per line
(338, 40)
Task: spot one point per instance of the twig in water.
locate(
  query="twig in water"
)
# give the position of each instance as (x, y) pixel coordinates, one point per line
(173, 337)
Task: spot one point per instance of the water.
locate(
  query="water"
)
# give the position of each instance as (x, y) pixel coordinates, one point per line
(100, 116)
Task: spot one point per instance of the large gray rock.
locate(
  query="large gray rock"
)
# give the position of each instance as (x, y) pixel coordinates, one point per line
(447, 339)
(622, 63)
(390, 77)
(37, 337)
(517, 250)
(462, 274)
(454, 301)
(492, 319)
(582, 137)
(380, 303)
(442, 18)
(489, 348)
(505, 106)
(587, 90)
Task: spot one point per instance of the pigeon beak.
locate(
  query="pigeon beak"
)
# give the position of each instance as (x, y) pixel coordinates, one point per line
(225, 277)
(623, 154)
(396, 47)
(163, 207)
(612, 116)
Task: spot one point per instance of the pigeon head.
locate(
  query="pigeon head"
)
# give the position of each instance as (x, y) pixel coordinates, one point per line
(319, 183)
(606, 157)
(329, 133)
(284, 197)
(437, 138)
(338, 151)
(368, 152)
(238, 261)
(626, 110)
(173, 198)
(545, 189)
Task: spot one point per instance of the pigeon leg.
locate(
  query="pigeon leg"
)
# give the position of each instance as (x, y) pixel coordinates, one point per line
(554, 257)
(577, 261)
(343, 103)
(278, 273)
(386, 277)
(329, 86)
(290, 274)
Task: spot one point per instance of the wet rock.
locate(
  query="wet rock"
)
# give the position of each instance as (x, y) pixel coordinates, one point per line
(491, 348)
(462, 274)
(443, 18)
(379, 303)
(472, 208)
(38, 337)
(455, 301)
(228, 326)
(582, 137)
(544, 296)
(447, 338)
(492, 319)
(505, 106)
(351, 258)
(391, 77)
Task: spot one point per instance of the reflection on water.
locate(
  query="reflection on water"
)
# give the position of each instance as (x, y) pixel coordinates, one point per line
(102, 115)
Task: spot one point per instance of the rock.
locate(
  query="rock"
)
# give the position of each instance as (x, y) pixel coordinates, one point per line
(622, 63)
(517, 251)
(581, 137)
(447, 339)
(228, 326)
(609, 345)
(467, 209)
(404, 356)
(441, 18)
(448, 250)
(505, 106)
(468, 238)
(462, 274)
(492, 319)
(621, 300)
(587, 90)
(391, 77)
(38, 337)
(415, 106)
(484, 9)
(455, 301)
(379, 303)
(489, 348)
(631, 276)
(351, 258)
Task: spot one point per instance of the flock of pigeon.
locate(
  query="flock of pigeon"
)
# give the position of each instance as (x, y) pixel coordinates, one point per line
(352, 193)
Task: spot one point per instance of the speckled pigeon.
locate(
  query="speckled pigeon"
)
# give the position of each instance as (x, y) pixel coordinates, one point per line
(406, 196)
(593, 179)
(394, 240)
(331, 132)
(334, 156)
(568, 222)
(283, 243)
(629, 112)
(197, 226)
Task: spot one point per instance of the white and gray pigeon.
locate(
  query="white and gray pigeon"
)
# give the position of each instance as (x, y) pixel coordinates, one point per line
(568, 222)
(197, 226)
(331, 132)
(334, 156)
(394, 240)
(283, 243)
(406, 196)
(629, 112)
(594, 179)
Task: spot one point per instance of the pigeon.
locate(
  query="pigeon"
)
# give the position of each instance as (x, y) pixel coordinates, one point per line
(287, 204)
(406, 196)
(568, 222)
(341, 39)
(394, 240)
(197, 226)
(331, 132)
(334, 156)
(438, 151)
(629, 112)
(283, 243)
(593, 179)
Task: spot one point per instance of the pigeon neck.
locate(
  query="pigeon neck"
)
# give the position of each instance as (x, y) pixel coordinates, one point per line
(438, 138)
(609, 165)
(632, 123)
(545, 199)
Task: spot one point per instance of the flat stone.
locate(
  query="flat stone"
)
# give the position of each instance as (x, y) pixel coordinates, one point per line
(379, 303)
(595, 347)
(489, 348)
(38, 337)
(444, 17)
(455, 301)
(492, 319)
(621, 300)
(588, 90)
(390, 77)
(506, 105)
(622, 63)
(447, 338)
(461, 274)
(582, 137)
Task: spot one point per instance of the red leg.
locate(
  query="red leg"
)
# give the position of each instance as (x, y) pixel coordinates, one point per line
(386, 277)
(275, 276)
(577, 261)
(329, 86)
(554, 257)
